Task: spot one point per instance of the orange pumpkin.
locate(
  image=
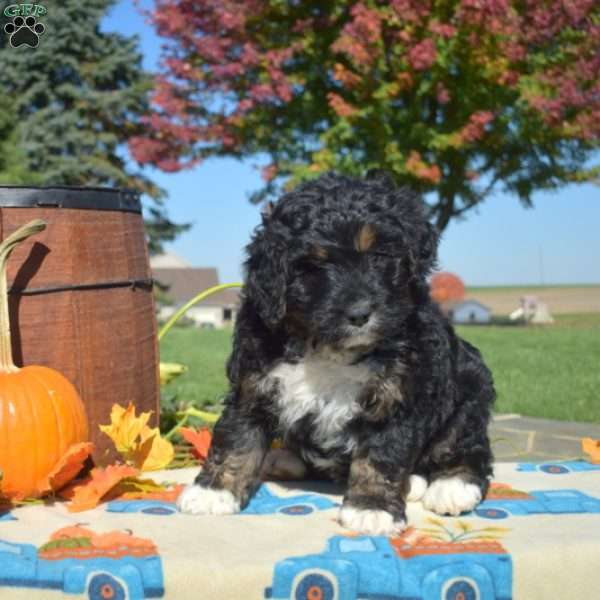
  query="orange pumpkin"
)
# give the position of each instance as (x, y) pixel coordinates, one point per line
(41, 413)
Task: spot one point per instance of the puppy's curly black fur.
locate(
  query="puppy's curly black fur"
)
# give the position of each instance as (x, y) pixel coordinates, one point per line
(340, 351)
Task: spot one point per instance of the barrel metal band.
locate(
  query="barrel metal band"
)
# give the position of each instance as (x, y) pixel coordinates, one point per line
(101, 285)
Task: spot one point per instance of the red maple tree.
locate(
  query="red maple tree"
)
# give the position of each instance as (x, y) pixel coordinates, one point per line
(447, 287)
(456, 97)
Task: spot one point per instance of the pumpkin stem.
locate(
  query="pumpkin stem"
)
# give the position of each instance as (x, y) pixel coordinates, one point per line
(6, 247)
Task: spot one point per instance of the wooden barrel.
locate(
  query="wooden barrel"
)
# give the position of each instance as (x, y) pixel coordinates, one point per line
(80, 296)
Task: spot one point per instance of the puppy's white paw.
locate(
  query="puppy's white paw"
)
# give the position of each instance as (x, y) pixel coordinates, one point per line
(198, 500)
(418, 487)
(451, 496)
(370, 522)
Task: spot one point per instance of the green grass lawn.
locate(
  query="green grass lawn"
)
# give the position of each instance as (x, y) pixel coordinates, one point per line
(551, 371)
(205, 353)
(545, 371)
(527, 289)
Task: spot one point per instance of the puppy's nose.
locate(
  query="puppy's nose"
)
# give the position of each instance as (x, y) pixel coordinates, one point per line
(359, 315)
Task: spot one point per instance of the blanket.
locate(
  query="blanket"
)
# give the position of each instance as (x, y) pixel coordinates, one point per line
(535, 536)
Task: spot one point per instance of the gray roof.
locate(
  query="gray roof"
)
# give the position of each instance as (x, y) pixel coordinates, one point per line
(184, 283)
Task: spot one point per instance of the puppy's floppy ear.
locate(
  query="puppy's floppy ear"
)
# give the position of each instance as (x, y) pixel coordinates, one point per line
(266, 212)
(266, 276)
(423, 251)
(428, 245)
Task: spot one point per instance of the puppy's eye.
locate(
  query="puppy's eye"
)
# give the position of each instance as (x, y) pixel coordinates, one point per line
(308, 264)
(381, 257)
(394, 266)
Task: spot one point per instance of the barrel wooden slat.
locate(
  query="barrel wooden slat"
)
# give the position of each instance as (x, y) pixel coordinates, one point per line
(103, 340)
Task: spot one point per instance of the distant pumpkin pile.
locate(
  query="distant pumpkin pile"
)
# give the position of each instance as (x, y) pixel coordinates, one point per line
(42, 417)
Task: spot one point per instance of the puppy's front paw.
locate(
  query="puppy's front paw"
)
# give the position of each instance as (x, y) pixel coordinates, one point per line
(451, 496)
(418, 487)
(198, 500)
(370, 522)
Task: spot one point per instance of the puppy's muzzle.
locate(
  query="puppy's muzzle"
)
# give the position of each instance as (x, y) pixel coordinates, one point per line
(359, 314)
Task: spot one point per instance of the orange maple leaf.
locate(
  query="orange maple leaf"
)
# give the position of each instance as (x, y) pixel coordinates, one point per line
(91, 491)
(592, 447)
(200, 440)
(67, 468)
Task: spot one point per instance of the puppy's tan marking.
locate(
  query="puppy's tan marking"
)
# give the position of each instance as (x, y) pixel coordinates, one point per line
(380, 396)
(282, 464)
(365, 238)
(249, 386)
(365, 480)
(238, 473)
(370, 489)
(319, 252)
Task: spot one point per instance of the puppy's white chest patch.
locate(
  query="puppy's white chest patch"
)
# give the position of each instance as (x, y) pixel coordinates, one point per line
(323, 387)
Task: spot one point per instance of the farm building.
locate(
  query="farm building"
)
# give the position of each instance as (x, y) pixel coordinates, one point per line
(467, 311)
(181, 282)
(531, 310)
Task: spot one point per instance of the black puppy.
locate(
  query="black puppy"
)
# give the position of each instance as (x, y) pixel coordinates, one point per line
(340, 352)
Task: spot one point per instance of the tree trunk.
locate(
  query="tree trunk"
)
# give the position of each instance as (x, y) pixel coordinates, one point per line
(445, 210)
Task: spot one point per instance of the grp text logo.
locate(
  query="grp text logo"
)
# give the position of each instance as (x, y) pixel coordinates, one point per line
(25, 28)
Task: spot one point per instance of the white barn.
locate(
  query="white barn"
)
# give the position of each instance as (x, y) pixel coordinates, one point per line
(467, 311)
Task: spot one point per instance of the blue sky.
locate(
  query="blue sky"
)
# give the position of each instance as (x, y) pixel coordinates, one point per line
(500, 243)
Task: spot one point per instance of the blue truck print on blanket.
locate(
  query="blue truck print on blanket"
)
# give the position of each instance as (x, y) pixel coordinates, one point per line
(150, 507)
(502, 502)
(559, 468)
(120, 567)
(264, 502)
(412, 566)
